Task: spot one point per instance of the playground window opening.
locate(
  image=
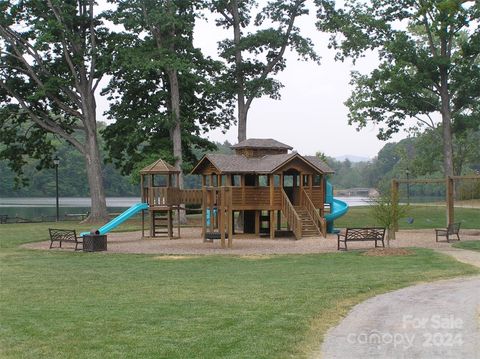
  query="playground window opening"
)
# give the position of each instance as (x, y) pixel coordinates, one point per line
(262, 180)
(223, 180)
(305, 180)
(236, 180)
(276, 180)
(317, 180)
(160, 181)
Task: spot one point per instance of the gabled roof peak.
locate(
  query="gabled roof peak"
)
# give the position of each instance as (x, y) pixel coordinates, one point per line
(159, 167)
(262, 143)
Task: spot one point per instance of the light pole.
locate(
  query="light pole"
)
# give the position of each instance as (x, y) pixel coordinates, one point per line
(407, 172)
(56, 162)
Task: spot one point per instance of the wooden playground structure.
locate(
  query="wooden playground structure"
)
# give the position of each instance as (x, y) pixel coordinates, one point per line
(255, 191)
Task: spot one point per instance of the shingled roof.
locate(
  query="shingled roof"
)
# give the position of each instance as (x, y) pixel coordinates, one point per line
(317, 162)
(266, 164)
(159, 167)
(261, 143)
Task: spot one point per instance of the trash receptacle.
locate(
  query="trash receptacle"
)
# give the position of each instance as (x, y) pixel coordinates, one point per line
(94, 242)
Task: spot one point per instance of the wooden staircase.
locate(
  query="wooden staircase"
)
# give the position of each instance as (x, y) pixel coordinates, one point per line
(309, 229)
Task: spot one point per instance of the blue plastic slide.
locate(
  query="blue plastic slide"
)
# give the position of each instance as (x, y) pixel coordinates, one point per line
(208, 215)
(119, 219)
(337, 208)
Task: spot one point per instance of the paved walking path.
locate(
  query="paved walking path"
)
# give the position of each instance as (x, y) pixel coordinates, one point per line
(434, 320)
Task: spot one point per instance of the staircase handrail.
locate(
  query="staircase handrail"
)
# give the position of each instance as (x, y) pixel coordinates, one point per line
(292, 216)
(320, 223)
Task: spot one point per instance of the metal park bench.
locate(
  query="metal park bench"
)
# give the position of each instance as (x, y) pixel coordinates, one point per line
(376, 234)
(452, 229)
(64, 235)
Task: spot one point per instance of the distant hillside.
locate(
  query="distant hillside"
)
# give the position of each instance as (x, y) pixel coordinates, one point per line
(352, 158)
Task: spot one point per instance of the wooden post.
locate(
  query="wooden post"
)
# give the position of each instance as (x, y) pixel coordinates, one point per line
(450, 201)
(271, 185)
(211, 199)
(242, 181)
(204, 210)
(152, 223)
(221, 215)
(143, 223)
(257, 222)
(178, 222)
(142, 191)
(272, 224)
(169, 223)
(230, 218)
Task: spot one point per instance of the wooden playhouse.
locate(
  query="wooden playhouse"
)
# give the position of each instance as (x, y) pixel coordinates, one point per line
(263, 185)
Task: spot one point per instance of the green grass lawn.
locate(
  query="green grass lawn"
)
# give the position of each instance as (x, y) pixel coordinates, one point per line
(423, 216)
(61, 304)
(470, 245)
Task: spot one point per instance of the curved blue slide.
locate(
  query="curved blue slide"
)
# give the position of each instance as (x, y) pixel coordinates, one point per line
(119, 219)
(337, 208)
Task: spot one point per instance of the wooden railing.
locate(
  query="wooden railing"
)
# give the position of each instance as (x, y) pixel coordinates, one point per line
(255, 197)
(319, 222)
(171, 196)
(291, 215)
(192, 196)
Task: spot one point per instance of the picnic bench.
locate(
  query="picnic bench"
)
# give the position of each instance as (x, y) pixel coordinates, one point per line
(376, 234)
(3, 218)
(452, 229)
(64, 235)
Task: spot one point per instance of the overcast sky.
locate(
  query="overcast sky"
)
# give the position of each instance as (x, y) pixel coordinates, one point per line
(311, 115)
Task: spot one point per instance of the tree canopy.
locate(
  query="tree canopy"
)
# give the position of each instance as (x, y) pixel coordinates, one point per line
(163, 82)
(52, 55)
(428, 52)
(256, 50)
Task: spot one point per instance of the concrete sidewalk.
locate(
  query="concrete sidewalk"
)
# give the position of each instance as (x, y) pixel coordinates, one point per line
(434, 320)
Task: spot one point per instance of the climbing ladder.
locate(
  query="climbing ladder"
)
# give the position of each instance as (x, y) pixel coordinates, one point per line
(161, 222)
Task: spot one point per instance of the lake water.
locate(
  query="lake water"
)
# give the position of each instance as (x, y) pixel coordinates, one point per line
(31, 208)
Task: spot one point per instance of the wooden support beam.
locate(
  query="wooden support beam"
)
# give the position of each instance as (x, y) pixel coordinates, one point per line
(230, 219)
(143, 223)
(426, 180)
(142, 190)
(178, 222)
(204, 210)
(271, 185)
(257, 222)
(211, 199)
(272, 224)
(221, 216)
(169, 224)
(152, 223)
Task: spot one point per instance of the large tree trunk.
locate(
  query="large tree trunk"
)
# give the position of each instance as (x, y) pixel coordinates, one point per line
(242, 108)
(447, 124)
(176, 131)
(93, 160)
(94, 174)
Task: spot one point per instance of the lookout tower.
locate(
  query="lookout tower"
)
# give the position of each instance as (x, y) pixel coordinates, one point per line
(160, 189)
